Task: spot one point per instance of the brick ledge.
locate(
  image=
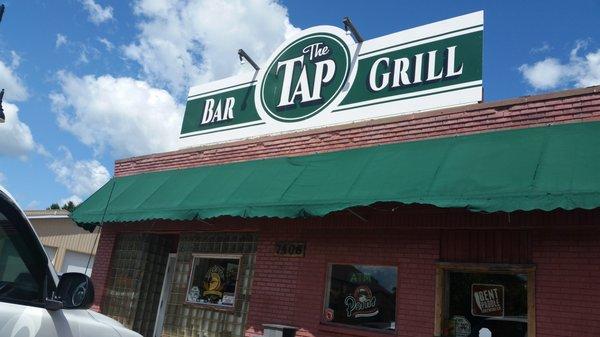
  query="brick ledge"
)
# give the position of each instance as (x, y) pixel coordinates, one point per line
(552, 108)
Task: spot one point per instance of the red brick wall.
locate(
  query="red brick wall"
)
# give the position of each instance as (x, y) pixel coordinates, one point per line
(102, 263)
(562, 107)
(291, 290)
(567, 282)
(568, 302)
(564, 246)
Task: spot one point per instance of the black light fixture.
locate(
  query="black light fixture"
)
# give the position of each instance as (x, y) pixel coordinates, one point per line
(2, 117)
(351, 30)
(244, 57)
(1, 109)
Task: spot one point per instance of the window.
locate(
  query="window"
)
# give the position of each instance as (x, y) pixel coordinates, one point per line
(362, 295)
(213, 280)
(484, 300)
(22, 269)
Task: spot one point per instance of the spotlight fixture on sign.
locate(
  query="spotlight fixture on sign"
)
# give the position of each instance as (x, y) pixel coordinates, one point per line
(351, 30)
(1, 109)
(244, 57)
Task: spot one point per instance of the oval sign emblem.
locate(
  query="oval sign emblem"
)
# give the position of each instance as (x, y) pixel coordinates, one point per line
(305, 77)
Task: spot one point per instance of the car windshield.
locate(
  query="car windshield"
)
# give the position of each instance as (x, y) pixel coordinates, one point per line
(21, 266)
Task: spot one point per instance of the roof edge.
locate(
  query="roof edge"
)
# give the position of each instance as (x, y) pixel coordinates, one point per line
(503, 103)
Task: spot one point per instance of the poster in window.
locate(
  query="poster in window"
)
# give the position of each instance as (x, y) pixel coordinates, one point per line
(213, 281)
(487, 300)
(362, 295)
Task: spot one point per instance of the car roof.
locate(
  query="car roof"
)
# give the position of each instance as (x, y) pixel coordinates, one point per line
(7, 195)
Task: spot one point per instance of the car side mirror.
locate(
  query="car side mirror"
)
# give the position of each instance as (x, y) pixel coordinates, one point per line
(75, 291)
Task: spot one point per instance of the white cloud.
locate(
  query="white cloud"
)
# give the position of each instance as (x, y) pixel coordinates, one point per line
(86, 53)
(545, 47)
(33, 204)
(187, 42)
(15, 89)
(545, 74)
(60, 40)
(550, 73)
(83, 57)
(107, 44)
(126, 116)
(74, 198)
(97, 14)
(80, 177)
(41, 150)
(2, 177)
(16, 59)
(15, 136)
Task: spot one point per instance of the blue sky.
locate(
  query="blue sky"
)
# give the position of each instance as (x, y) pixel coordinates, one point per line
(91, 81)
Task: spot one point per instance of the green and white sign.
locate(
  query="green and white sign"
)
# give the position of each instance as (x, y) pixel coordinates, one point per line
(322, 78)
(305, 77)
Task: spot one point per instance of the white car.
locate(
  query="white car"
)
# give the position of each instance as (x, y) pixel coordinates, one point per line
(34, 302)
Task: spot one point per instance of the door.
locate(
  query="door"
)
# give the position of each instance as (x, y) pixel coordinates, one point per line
(22, 279)
(25, 283)
(17, 320)
(136, 279)
(164, 295)
(75, 262)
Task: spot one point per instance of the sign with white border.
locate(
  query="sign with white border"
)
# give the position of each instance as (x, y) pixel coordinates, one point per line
(321, 77)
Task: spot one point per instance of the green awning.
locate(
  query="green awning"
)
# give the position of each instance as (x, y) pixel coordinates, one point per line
(540, 168)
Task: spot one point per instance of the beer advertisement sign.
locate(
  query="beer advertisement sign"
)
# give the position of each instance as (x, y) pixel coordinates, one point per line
(213, 281)
(487, 300)
(362, 295)
(322, 77)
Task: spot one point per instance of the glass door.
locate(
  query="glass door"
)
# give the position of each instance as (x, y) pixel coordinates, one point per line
(165, 294)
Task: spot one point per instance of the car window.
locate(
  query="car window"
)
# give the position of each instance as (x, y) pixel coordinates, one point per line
(22, 270)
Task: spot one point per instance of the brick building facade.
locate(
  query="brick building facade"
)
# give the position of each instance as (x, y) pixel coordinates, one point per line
(557, 252)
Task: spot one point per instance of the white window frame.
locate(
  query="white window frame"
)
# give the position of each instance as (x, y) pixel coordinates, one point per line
(237, 280)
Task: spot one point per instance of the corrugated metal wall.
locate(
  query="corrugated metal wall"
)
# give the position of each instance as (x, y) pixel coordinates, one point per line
(64, 235)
